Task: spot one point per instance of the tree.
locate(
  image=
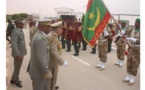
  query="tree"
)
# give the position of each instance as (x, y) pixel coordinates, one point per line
(23, 15)
(15, 16)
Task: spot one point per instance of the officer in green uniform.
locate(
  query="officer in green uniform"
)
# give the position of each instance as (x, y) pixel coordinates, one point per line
(18, 51)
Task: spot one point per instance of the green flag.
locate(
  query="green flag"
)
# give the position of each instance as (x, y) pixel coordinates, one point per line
(96, 18)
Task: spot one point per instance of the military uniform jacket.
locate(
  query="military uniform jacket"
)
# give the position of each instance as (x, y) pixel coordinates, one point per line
(39, 59)
(55, 50)
(102, 38)
(131, 33)
(121, 41)
(18, 43)
(77, 34)
(69, 32)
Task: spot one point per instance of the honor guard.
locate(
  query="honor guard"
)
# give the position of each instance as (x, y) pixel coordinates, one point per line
(69, 33)
(64, 27)
(133, 58)
(77, 38)
(121, 45)
(102, 49)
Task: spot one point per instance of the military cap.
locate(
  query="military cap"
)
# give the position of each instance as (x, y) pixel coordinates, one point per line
(138, 20)
(45, 22)
(57, 24)
(19, 20)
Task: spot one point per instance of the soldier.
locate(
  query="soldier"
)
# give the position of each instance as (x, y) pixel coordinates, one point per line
(121, 45)
(9, 30)
(33, 30)
(102, 49)
(39, 60)
(111, 31)
(18, 51)
(55, 54)
(84, 45)
(133, 58)
(77, 37)
(69, 32)
(63, 34)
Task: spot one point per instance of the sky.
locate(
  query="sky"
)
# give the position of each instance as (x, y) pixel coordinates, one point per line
(46, 7)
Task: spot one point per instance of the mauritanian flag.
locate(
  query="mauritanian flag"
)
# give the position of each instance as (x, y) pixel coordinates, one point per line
(96, 19)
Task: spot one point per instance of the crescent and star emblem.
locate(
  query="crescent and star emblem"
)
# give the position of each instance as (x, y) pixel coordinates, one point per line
(97, 20)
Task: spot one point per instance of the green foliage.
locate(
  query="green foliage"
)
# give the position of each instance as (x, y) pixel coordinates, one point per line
(15, 16)
(18, 16)
(23, 15)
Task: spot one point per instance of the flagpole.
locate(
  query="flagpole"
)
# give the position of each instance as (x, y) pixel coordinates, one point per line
(116, 24)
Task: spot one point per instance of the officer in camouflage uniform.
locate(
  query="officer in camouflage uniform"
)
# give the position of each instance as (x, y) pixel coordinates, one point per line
(121, 45)
(55, 54)
(102, 49)
(133, 58)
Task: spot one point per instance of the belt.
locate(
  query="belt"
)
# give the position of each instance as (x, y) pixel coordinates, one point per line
(135, 45)
(103, 40)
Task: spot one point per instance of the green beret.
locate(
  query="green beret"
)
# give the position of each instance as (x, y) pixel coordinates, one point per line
(138, 20)
(123, 21)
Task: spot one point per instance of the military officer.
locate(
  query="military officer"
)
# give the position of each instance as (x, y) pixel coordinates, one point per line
(55, 54)
(77, 37)
(133, 58)
(18, 51)
(102, 49)
(111, 30)
(39, 60)
(121, 45)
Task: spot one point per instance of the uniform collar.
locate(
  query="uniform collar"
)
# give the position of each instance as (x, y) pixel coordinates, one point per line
(54, 33)
(43, 33)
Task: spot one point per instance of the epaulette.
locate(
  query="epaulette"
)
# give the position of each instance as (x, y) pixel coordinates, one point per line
(52, 38)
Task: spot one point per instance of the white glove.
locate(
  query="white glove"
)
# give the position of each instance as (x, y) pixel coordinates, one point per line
(65, 63)
(122, 32)
(131, 39)
(36, 24)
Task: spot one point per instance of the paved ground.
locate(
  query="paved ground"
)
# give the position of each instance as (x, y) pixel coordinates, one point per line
(81, 73)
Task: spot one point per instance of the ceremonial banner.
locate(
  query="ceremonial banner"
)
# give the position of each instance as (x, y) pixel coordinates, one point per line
(96, 19)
